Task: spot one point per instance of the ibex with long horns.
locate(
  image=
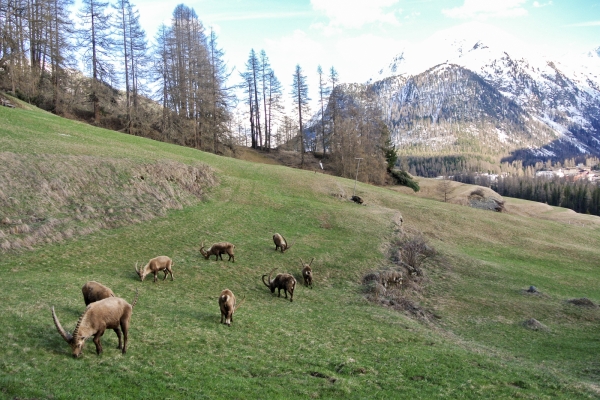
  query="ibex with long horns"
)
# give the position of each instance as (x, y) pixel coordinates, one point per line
(110, 313)
(228, 306)
(307, 272)
(94, 291)
(154, 266)
(218, 249)
(282, 281)
(281, 243)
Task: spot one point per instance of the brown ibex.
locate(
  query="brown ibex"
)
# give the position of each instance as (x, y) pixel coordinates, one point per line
(110, 313)
(281, 243)
(154, 266)
(307, 272)
(94, 291)
(218, 249)
(228, 306)
(282, 281)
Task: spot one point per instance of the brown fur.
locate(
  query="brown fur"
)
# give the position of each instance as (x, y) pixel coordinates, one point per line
(228, 306)
(94, 291)
(281, 243)
(154, 266)
(218, 249)
(307, 273)
(110, 313)
(282, 281)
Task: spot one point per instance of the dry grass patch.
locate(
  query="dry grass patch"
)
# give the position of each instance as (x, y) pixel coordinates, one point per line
(402, 285)
(253, 155)
(50, 198)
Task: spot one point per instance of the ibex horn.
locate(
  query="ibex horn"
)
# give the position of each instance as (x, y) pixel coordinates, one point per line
(270, 273)
(76, 330)
(60, 329)
(240, 304)
(263, 279)
(136, 298)
(290, 246)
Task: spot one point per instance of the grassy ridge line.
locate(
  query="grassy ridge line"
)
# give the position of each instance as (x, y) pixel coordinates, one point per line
(178, 349)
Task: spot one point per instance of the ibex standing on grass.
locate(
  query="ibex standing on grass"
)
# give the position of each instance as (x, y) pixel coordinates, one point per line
(228, 306)
(281, 243)
(94, 291)
(109, 313)
(218, 249)
(307, 273)
(154, 266)
(282, 281)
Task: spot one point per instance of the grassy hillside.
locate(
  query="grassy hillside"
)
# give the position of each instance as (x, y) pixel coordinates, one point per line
(330, 342)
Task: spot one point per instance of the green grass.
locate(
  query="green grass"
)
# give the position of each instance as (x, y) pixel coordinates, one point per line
(330, 342)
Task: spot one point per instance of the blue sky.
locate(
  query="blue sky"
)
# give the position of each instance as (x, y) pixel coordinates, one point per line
(359, 37)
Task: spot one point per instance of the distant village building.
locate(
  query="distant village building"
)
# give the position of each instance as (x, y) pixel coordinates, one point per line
(572, 174)
(545, 174)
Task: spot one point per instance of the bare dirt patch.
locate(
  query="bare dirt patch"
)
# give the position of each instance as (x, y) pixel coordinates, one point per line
(583, 302)
(289, 158)
(50, 198)
(534, 325)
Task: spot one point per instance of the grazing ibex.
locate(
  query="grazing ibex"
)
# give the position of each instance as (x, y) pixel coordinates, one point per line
(218, 249)
(154, 266)
(282, 281)
(228, 306)
(109, 313)
(307, 272)
(281, 243)
(94, 291)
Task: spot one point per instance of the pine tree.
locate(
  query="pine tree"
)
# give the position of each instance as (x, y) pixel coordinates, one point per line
(300, 99)
(253, 69)
(219, 96)
(95, 38)
(324, 92)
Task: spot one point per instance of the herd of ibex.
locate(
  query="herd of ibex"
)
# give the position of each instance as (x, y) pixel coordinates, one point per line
(106, 311)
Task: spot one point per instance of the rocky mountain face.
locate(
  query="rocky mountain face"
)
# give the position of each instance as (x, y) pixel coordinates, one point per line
(474, 89)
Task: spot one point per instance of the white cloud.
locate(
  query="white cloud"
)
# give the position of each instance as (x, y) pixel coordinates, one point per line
(355, 58)
(413, 15)
(484, 9)
(356, 13)
(537, 4)
(256, 16)
(589, 23)
(366, 54)
(327, 30)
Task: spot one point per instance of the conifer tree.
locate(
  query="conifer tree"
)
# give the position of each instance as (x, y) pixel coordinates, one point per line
(95, 38)
(300, 99)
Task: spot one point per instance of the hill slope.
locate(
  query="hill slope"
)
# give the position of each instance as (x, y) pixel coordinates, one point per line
(330, 342)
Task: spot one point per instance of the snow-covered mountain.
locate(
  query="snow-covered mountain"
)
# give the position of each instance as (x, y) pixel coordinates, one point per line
(476, 86)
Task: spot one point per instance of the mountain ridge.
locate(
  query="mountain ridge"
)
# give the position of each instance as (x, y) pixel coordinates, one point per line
(554, 105)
